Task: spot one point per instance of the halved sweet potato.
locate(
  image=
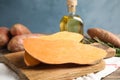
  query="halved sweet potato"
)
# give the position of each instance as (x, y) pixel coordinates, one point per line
(62, 51)
(64, 35)
(30, 61)
(16, 43)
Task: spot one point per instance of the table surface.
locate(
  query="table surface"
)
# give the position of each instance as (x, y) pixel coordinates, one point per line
(114, 76)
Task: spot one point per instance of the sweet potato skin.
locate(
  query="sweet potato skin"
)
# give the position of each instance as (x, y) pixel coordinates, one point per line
(4, 36)
(16, 43)
(104, 36)
(19, 29)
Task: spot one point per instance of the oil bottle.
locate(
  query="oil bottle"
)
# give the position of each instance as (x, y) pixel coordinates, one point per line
(72, 22)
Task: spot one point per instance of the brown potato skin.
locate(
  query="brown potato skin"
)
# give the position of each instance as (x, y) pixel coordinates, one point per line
(4, 36)
(16, 43)
(104, 36)
(19, 29)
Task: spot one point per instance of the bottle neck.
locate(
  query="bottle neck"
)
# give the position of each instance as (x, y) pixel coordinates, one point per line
(71, 13)
(71, 10)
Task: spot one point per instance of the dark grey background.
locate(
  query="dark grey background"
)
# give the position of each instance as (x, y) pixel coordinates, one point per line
(43, 16)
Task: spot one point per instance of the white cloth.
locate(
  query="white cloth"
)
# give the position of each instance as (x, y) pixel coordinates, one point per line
(6, 73)
(111, 65)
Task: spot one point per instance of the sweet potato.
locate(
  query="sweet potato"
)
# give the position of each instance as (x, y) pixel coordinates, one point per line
(64, 35)
(110, 51)
(19, 29)
(4, 36)
(104, 36)
(29, 60)
(16, 43)
(62, 51)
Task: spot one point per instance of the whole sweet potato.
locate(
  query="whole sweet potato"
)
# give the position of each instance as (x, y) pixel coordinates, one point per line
(16, 43)
(4, 36)
(104, 36)
(19, 29)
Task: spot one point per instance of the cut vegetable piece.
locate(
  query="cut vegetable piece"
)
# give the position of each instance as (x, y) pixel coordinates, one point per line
(16, 43)
(64, 35)
(63, 51)
(29, 60)
(110, 51)
(56, 36)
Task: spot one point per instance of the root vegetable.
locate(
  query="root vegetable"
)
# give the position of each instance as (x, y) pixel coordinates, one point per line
(4, 36)
(31, 61)
(111, 52)
(62, 51)
(16, 43)
(64, 35)
(19, 29)
(104, 36)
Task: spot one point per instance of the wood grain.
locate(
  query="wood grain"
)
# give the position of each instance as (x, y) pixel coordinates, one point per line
(52, 72)
(114, 76)
(17, 72)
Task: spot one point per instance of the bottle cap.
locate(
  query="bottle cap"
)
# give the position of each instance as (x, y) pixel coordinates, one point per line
(71, 5)
(72, 2)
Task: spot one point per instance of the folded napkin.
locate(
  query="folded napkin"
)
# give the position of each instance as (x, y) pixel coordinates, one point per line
(111, 65)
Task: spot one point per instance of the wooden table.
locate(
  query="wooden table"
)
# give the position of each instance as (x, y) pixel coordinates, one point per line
(114, 76)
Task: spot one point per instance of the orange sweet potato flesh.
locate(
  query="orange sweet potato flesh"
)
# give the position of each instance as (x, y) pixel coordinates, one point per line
(62, 51)
(30, 61)
(16, 43)
(64, 35)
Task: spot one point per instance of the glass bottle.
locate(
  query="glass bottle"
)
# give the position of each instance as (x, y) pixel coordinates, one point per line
(72, 22)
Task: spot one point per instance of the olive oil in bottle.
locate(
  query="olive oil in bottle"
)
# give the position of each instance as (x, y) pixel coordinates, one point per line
(72, 22)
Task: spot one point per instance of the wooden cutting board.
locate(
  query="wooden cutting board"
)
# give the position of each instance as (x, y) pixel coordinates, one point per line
(52, 72)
